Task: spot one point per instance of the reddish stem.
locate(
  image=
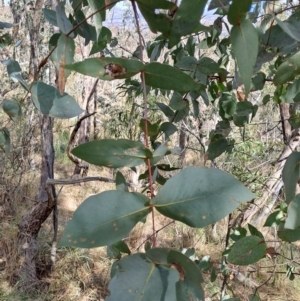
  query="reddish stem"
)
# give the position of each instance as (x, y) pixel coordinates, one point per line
(145, 123)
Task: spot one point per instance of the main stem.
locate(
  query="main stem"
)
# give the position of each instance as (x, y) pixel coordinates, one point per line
(145, 116)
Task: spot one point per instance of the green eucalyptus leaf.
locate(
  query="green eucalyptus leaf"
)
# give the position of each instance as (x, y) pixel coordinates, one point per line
(290, 27)
(208, 66)
(158, 22)
(166, 110)
(107, 68)
(63, 22)
(15, 73)
(170, 78)
(292, 92)
(113, 253)
(247, 250)
(290, 175)
(102, 41)
(293, 214)
(4, 25)
(238, 10)
(50, 16)
(244, 39)
(113, 153)
(227, 105)
(288, 70)
(177, 102)
(137, 277)
(159, 153)
(213, 275)
(122, 247)
(5, 140)
(12, 109)
(87, 31)
(258, 81)
(98, 7)
(104, 219)
(63, 54)
(48, 100)
(289, 235)
(199, 196)
(245, 112)
(186, 20)
(121, 184)
(205, 263)
(187, 63)
(266, 99)
(274, 219)
(254, 231)
(169, 129)
(153, 129)
(217, 146)
(189, 286)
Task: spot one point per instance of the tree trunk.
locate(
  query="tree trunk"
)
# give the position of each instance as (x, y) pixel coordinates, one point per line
(33, 219)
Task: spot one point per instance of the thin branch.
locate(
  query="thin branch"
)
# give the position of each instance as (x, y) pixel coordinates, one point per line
(89, 179)
(156, 232)
(74, 159)
(145, 117)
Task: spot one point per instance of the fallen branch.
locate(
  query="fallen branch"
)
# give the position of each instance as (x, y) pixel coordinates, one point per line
(275, 178)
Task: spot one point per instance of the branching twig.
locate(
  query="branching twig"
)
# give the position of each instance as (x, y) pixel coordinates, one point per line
(145, 117)
(74, 159)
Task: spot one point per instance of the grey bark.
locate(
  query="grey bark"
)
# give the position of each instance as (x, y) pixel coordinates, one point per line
(33, 219)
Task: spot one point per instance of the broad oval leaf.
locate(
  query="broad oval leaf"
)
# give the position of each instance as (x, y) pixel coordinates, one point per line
(104, 219)
(290, 27)
(293, 214)
(63, 22)
(199, 196)
(62, 55)
(238, 11)
(15, 72)
(113, 153)
(244, 39)
(156, 21)
(189, 286)
(121, 184)
(50, 16)
(247, 250)
(170, 78)
(137, 278)
(292, 92)
(107, 68)
(48, 100)
(289, 235)
(288, 70)
(186, 20)
(217, 146)
(64, 52)
(290, 175)
(98, 8)
(12, 109)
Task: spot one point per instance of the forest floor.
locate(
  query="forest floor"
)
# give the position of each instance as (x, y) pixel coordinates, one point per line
(84, 274)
